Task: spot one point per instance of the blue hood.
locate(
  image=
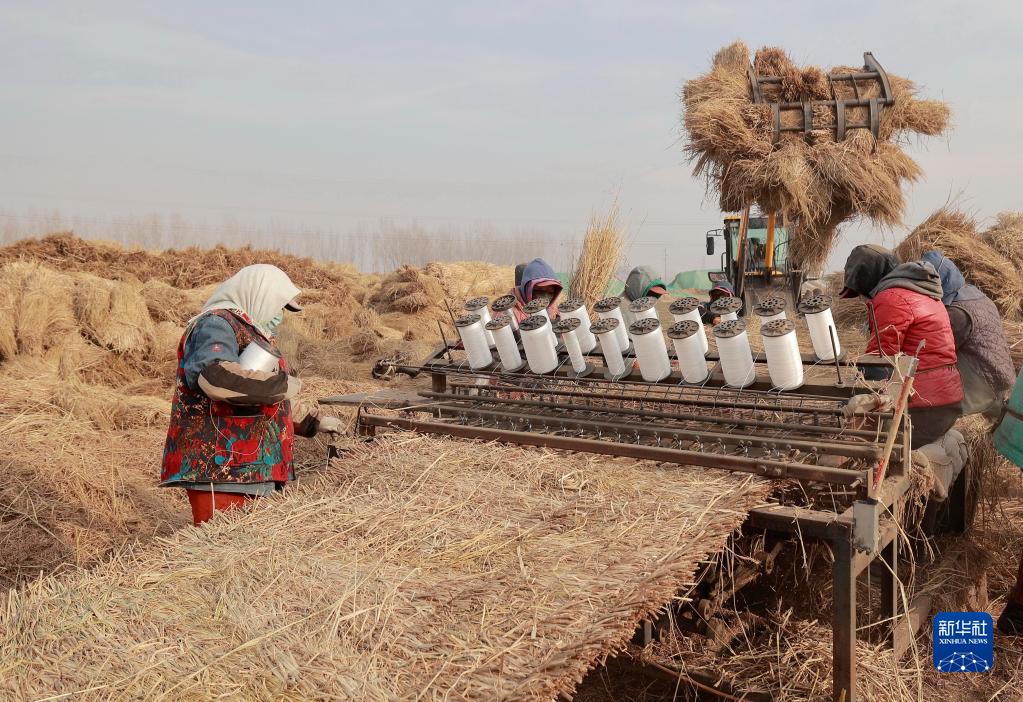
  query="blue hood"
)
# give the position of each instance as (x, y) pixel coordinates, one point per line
(953, 285)
(536, 271)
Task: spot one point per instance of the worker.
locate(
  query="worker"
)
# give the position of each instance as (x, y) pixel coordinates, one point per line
(535, 280)
(985, 362)
(643, 281)
(906, 299)
(720, 289)
(1008, 440)
(232, 428)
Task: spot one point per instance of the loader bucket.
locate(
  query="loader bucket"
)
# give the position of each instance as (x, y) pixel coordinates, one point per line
(864, 93)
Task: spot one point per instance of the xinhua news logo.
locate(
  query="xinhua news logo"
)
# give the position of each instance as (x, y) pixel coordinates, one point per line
(963, 642)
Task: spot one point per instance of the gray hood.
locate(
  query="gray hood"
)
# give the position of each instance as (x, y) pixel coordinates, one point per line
(918, 276)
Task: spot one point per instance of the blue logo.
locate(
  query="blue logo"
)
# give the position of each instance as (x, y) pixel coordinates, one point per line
(963, 642)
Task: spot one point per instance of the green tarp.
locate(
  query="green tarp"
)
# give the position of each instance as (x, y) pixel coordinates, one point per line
(686, 280)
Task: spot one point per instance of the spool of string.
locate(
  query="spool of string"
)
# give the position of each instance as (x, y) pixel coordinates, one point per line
(770, 309)
(536, 342)
(539, 306)
(568, 329)
(507, 346)
(643, 308)
(478, 305)
(611, 308)
(685, 336)
(610, 348)
(503, 306)
(470, 330)
(727, 308)
(817, 310)
(651, 351)
(575, 308)
(688, 309)
(735, 353)
(784, 361)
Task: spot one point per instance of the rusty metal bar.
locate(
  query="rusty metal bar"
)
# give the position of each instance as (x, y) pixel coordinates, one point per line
(843, 622)
(741, 464)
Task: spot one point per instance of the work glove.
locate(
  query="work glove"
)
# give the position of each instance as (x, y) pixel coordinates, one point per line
(864, 403)
(329, 425)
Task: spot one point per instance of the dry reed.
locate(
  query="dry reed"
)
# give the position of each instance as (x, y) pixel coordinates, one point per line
(599, 256)
(416, 567)
(817, 182)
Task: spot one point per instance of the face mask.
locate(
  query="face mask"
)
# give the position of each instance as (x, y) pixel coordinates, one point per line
(272, 325)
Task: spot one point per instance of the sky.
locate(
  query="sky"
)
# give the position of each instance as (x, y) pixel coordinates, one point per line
(525, 115)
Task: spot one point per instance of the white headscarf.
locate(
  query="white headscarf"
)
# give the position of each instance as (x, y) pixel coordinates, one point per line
(260, 291)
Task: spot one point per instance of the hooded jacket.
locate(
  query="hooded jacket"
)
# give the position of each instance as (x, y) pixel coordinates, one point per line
(984, 358)
(908, 309)
(640, 281)
(718, 291)
(536, 272)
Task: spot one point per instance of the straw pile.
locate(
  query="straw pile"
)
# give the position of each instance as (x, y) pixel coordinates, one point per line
(1006, 237)
(599, 256)
(954, 233)
(817, 182)
(417, 567)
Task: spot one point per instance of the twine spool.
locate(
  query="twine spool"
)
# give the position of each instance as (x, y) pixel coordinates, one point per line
(539, 306)
(727, 308)
(735, 353)
(611, 308)
(568, 329)
(536, 341)
(575, 308)
(784, 361)
(503, 306)
(651, 351)
(685, 336)
(821, 324)
(688, 309)
(770, 309)
(606, 332)
(643, 308)
(479, 306)
(507, 346)
(474, 339)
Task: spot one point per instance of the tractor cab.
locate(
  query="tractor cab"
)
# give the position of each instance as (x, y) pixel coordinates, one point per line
(755, 257)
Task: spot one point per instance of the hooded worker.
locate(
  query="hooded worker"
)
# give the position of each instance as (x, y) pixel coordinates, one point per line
(232, 427)
(906, 299)
(535, 280)
(643, 281)
(720, 289)
(985, 362)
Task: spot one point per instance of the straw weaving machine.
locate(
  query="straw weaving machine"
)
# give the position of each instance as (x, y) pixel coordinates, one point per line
(840, 479)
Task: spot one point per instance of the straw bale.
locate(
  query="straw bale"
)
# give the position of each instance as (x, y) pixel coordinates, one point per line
(817, 182)
(169, 304)
(37, 309)
(954, 233)
(1006, 237)
(417, 566)
(599, 256)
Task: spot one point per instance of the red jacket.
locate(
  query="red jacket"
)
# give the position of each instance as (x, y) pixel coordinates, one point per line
(905, 318)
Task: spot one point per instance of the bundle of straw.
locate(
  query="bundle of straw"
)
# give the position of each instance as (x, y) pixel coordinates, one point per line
(1006, 237)
(818, 182)
(954, 234)
(599, 256)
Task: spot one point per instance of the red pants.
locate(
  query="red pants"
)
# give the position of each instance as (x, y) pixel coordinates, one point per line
(206, 502)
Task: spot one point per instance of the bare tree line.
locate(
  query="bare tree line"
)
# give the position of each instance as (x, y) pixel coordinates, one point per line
(380, 246)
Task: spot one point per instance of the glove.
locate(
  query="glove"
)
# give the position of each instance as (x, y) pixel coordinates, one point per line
(301, 409)
(867, 402)
(294, 386)
(329, 425)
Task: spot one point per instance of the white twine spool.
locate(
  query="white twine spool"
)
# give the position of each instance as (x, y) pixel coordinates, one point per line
(470, 329)
(685, 336)
(729, 317)
(507, 346)
(735, 353)
(770, 308)
(772, 317)
(574, 308)
(568, 328)
(610, 347)
(821, 325)
(478, 305)
(611, 308)
(784, 361)
(643, 308)
(536, 341)
(502, 307)
(651, 351)
(727, 308)
(688, 309)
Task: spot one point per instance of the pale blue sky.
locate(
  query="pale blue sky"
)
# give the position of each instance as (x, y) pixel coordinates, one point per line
(525, 114)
